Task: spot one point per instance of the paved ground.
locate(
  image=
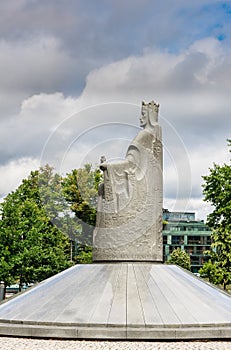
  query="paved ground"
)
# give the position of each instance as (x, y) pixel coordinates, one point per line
(41, 344)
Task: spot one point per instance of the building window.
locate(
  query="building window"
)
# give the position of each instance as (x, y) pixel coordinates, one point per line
(199, 250)
(174, 228)
(165, 239)
(177, 239)
(194, 240)
(195, 260)
(189, 249)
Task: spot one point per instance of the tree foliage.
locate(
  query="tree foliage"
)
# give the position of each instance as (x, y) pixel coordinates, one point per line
(80, 189)
(211, 271)
(55, 204)
(217, 191)
(181, 258)
(47, 222)
(32, 248)
(218, 268)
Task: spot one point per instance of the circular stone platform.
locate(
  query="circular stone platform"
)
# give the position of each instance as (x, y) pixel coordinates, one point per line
(119, 301)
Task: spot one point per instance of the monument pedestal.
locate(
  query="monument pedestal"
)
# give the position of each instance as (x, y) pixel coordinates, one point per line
(119, 301)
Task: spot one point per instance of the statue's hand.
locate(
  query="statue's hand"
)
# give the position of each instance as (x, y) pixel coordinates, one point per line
(103, 166)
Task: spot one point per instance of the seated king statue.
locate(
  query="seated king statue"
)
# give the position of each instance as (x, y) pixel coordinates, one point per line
(129, 209)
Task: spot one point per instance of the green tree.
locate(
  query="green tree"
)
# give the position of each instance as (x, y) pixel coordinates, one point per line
(8, 248)
(218, 268)
(80, 189)
(84, 255)
(181, 258)
(32, 248)
(217, 191)
(212, 272)
(56, 206)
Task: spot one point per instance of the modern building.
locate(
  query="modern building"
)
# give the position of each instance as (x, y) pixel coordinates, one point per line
(181, 229)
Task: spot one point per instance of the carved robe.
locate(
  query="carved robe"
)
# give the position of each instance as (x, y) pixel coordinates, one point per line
(129, 213)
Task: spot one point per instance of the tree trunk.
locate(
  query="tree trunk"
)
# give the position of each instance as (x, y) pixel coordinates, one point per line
(20, 282)
(2, 290)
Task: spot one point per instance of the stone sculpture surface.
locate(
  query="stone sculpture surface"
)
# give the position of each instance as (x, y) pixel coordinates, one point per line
(129, 212)
(132, 300)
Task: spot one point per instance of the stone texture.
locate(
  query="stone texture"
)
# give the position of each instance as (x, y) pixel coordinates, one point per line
(120, 301)
(43, 344)
(129, 213)
(124, 300)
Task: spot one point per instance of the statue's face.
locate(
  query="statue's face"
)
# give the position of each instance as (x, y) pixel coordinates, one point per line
(143, 118)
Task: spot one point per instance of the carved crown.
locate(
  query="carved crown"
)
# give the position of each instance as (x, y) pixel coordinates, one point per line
(153, 110)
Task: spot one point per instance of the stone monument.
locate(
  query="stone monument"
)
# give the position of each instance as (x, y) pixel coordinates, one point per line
(128, 294)
(129, 213)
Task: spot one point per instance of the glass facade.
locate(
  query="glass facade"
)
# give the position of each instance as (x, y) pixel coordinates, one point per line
(182, 230)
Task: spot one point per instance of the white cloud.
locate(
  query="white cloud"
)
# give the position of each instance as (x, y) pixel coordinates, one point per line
(48, 109)
(38, 63)
(124, 80)
(189, 86)
(27, 132)
(13, 172)
(30, 66)
(195, 114)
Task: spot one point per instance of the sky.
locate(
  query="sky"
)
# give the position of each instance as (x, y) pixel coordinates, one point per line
(74, 72)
